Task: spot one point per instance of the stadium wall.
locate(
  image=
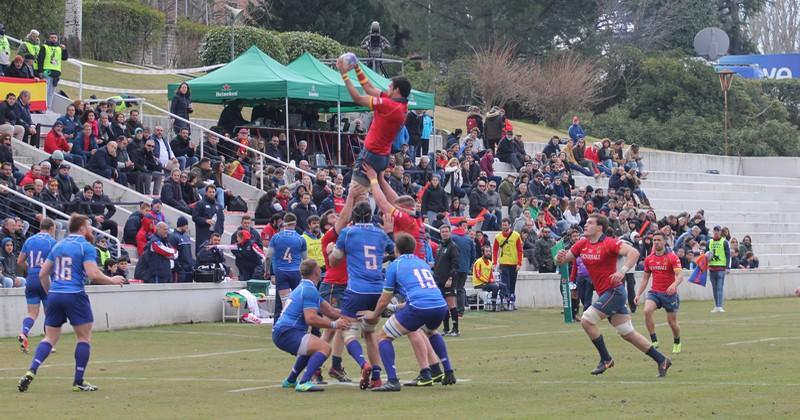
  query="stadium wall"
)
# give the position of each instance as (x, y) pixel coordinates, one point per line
(131, 306)
(536, 290)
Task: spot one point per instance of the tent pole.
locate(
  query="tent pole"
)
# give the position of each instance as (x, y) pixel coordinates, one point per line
(339, 128)
(288, 153)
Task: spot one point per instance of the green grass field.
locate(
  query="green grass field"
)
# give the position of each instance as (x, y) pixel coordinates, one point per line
(526, 364)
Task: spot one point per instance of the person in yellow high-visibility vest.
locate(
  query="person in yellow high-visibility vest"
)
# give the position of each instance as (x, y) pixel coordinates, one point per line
(5, 50)
(718, 266)
(313, 237)
(48, 64)
(30, 45)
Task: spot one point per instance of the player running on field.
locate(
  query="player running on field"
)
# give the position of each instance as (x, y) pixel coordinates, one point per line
(70, 262)
(335, 283)
(424, 309)
(290, 332)
(390, 109)
(363, 244)
(665, 268)
(599, 254)
(34, 253)
(286, 249)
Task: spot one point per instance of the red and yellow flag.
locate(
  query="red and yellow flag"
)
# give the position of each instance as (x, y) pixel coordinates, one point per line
(38, 90)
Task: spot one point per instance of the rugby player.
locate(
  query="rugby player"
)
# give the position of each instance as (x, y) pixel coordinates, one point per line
(665, 269)
(335, 283)
(599, 254)
(286, 249)
(390, 109)
(70, 262)
(363, 244)
(34, 253)
(290, 332)
(424, 309)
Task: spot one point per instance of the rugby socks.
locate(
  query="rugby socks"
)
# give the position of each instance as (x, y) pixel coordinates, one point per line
(314, 363)
(354, 348)
(601, 348)
(655, 355)
(653, 338)
(27, 324)
(336, 362)
(298, 367)
(376, 373)
(433, 369)
(42, 351)
(426, 374)
(437, 342)
(454, 317)
(676, 340)
(446, 322)
(387, 357)
(82, 351)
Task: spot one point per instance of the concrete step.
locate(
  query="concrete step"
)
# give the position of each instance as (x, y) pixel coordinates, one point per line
(719, 195)
(721, 205)
(649, 185)
(704, 177)
(777, 248)
(712, 216)
(778, 260)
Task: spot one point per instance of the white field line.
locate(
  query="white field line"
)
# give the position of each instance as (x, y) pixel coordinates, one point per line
(210, 334)
(761, 340)
(151, 359)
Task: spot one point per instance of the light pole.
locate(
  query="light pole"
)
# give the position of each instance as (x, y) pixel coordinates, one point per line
(725, 80)
(235, 13)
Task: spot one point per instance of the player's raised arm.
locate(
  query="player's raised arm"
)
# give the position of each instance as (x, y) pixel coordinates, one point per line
(381, 200)
(347, 211)
(363, 100)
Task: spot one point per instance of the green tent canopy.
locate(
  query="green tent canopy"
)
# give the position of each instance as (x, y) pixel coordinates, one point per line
(314, 69)
(254, 76)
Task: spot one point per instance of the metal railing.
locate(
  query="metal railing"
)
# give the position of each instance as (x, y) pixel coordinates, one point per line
(258, 152)
(45, 208)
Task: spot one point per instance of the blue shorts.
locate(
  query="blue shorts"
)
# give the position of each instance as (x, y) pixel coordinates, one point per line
(61, 307)
(613, 302)
(287, 280)
(377, 162)
(332, 293)
(288, 339)
(34, 293)
(670, 303)
(412, 318)
(354, 302)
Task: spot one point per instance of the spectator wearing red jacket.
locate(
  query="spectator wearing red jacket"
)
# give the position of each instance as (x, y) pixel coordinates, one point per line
(487, 165)
(56, 140)
(32, 175)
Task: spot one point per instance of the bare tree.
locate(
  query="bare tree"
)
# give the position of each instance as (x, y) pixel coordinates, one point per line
(777, 28)
(561, 83)
(645, 24)
(496, 74)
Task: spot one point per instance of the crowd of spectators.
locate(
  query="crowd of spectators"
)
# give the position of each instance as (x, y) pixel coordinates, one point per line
(538, 196)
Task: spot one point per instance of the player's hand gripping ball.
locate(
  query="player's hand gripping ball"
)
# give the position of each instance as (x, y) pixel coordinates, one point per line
(350, 60)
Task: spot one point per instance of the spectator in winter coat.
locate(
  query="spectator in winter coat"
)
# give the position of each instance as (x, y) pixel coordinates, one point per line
(250, 257)
(66, 184)
(434, 199)
(104, 161)
(487, 165)
(552, 147)
(172, 193)
(303, 210)
(179, 240)
(147, 173)
(182, 148)
(575, 130)
(84, 144)
(333, 202)
(56, 140)
(134, 223)
(208, 217)
(181, 105)
(506, 151)
(155, 266)
(494, 125)
(132, 123)
(479, 200)
(507, 189)
(541, 251)
(71, 122)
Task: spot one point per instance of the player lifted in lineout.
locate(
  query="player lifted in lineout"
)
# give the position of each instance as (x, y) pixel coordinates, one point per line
(390, 109)
(599, 254)
(70, 262)
(665, 268)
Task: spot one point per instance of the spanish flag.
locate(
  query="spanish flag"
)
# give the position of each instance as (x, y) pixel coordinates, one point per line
(700, 273)
(38, 90)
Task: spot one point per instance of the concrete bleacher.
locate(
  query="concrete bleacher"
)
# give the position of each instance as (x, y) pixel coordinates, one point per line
(763, 207)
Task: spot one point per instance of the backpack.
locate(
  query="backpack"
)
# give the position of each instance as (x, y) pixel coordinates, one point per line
(237, 204)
